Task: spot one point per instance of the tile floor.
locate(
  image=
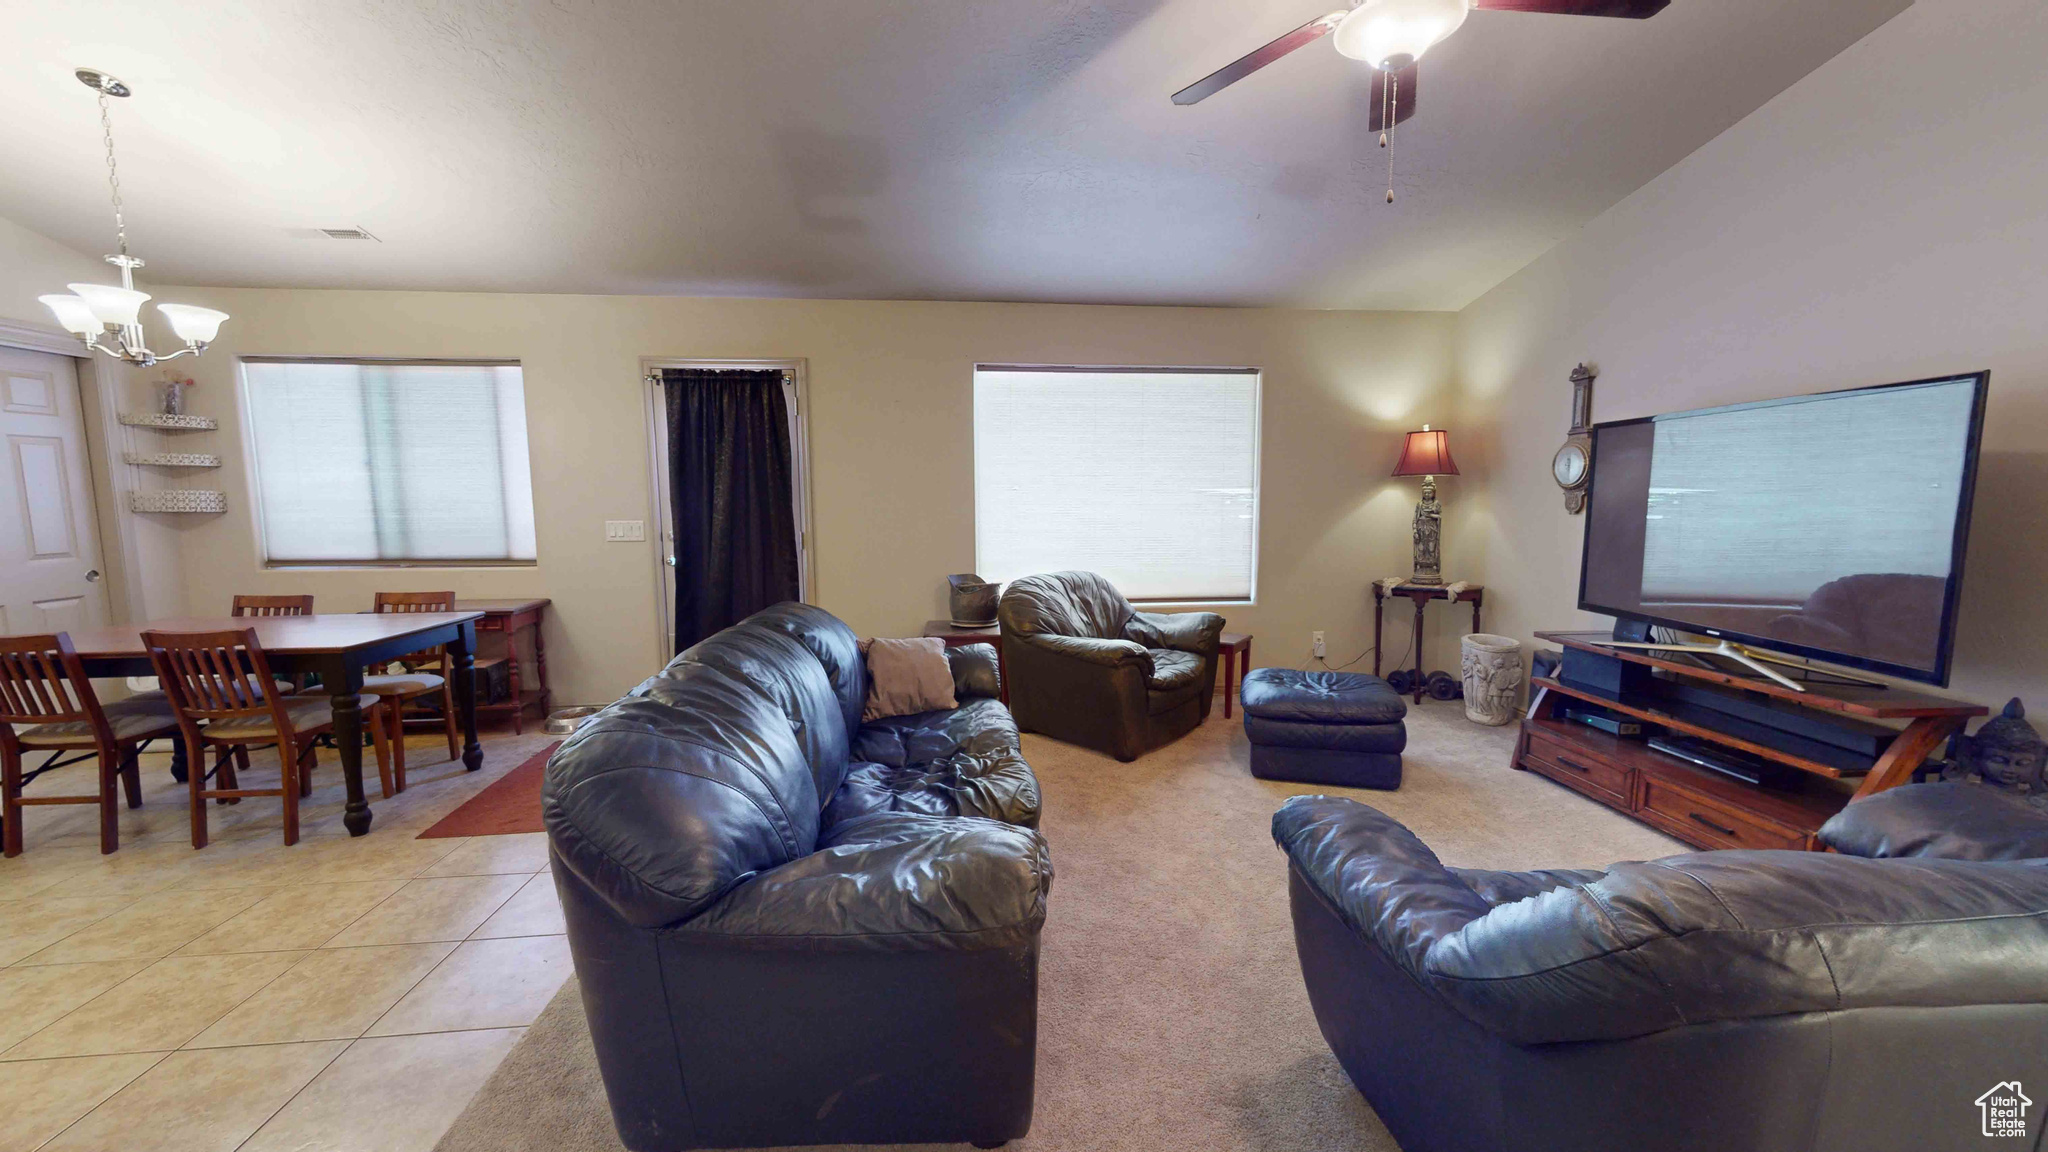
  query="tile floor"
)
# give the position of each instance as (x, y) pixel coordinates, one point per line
(341, 995)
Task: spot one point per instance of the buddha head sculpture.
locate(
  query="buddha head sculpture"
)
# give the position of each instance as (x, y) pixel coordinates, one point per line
(2006, 751)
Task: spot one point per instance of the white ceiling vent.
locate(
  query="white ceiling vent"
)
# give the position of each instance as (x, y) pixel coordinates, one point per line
(347, 234)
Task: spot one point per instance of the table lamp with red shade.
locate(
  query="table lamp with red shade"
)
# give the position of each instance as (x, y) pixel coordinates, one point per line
(1427, 454)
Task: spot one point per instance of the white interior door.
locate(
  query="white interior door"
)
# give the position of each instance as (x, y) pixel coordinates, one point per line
(49, 539)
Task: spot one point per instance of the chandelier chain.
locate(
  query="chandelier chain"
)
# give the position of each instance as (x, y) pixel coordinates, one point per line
(113, 173)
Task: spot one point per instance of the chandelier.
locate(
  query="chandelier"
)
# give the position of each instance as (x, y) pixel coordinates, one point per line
(98, 313)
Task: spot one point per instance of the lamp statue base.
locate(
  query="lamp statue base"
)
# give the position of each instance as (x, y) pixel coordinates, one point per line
(1428, 532)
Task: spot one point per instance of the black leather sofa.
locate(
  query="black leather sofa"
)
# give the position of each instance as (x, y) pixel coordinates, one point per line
(1735, 1001)
(1087, 668)
(793, 928)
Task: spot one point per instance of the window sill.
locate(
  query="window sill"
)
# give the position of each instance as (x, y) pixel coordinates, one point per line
(378, 565)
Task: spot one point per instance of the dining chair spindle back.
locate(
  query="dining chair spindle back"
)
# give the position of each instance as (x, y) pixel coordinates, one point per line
(250, 605)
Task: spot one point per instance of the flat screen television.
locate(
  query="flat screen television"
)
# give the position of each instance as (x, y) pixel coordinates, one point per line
(1829, 526)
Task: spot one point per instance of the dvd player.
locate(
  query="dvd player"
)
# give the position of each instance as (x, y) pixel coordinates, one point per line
(1726, 761)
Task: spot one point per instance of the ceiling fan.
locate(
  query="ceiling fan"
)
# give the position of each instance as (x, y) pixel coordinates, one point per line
(1391, 35)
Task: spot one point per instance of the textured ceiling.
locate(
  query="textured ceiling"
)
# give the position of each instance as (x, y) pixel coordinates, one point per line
(910, 149)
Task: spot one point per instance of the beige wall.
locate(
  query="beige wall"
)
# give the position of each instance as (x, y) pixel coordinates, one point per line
(890, 428)
(1882, 220)
(32, 265)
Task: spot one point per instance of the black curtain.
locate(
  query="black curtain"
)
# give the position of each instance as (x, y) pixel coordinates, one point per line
(729, 469)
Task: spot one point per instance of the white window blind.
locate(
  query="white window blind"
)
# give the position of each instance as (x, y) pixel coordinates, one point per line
(1147, 476)
(372, 462)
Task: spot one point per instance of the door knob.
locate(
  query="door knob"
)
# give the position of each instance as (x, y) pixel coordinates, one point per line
(671, 561)
(92, 577)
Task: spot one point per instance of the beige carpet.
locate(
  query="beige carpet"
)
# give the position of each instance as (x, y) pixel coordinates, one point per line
(1171, 1011)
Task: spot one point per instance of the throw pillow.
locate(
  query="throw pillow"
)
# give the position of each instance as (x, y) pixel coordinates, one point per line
(907, 676)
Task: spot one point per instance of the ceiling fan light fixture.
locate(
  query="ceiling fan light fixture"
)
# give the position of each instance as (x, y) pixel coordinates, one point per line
(1392, 34)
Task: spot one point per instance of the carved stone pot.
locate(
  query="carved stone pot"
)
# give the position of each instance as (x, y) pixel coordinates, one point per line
(1492, 667)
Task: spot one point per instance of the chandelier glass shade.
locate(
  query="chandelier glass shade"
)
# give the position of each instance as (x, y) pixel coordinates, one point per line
(108, 318)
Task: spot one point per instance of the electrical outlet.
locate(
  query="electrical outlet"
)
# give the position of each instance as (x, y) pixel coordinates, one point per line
(622, 531)
(1316, 638)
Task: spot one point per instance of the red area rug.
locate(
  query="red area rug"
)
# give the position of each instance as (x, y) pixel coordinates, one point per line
(509, 805)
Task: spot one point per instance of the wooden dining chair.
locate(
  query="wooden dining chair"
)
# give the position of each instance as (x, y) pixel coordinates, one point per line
(47, 703)
(427, 673)
(247, 605)
(252, 605)
(223, 680)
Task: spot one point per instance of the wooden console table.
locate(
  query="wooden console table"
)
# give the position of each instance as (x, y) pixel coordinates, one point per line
(1704, 808)
(508, 618)
(1421, 594)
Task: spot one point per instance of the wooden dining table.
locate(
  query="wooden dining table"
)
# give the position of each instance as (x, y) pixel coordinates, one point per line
(337, 648)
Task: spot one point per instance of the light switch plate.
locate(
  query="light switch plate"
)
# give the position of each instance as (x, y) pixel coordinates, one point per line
(625, 530)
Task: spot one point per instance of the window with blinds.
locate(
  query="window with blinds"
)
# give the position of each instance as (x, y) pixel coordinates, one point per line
(1149, 476)
(366, 462)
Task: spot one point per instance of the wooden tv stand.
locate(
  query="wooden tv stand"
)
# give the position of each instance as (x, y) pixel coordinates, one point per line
(1707, 809)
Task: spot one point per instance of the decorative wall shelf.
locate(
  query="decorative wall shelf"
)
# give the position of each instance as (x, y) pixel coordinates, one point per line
(178, 500)
(155, 447)
(172, 459)
(168, 423)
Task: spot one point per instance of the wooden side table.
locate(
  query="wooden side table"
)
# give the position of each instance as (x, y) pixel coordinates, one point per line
(508, 618)
(1420, 594)
(1236, 648)
(956, 635)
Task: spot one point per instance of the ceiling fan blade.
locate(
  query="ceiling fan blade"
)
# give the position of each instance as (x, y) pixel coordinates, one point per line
(1245, 65)
(1404, 97)
(1629, 9)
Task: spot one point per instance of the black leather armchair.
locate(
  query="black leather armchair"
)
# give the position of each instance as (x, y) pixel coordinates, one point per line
(1087, 668)
(1735, 1001)
(791, 928)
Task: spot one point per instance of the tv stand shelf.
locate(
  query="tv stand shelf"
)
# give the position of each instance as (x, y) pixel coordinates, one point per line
(1704, 808)
(1652, 716)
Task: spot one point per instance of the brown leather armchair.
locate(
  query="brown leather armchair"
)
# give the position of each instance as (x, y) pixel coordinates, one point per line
(1086, 667)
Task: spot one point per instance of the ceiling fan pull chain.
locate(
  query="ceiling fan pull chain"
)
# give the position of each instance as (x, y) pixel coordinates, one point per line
(1387, 136)
(1383, 116)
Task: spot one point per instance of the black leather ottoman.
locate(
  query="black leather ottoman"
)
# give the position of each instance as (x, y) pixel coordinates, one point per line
(1341, 728)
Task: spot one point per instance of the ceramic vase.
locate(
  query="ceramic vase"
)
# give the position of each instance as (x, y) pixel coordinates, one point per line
(1492, 667)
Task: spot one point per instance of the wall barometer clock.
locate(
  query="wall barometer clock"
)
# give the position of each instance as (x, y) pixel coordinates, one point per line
(1572, 467)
